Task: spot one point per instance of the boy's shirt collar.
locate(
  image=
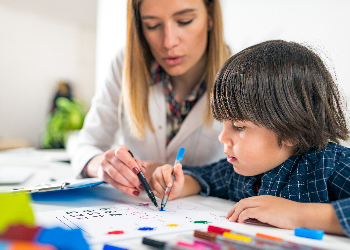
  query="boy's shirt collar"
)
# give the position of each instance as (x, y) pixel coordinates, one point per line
(280, 173)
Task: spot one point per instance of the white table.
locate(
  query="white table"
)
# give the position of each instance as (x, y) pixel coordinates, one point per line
(47, 168)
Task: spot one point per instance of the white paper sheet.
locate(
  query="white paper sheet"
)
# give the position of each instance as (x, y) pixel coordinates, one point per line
(135, 220)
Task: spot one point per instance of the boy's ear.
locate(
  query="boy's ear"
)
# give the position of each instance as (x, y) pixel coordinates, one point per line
(289, 143)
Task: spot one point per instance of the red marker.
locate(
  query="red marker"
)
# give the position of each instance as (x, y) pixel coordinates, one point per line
(258, 236)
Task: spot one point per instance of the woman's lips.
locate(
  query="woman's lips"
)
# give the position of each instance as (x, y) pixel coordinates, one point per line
(231, 158)
(173, 60)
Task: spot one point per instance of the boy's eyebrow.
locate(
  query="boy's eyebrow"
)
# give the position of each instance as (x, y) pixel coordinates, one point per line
(181, 12)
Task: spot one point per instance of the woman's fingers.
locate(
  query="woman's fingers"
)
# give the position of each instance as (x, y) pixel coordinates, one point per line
(126, 166)
(122, 153)
(112, 172)
(130, 190)
(117, 173)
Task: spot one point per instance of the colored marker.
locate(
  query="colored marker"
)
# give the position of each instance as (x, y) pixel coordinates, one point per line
(234, 240)
(178, 159)
(180, 245)
(261, 239)
(309, 233)
(257, 237)
(144, 183)
(110, 247)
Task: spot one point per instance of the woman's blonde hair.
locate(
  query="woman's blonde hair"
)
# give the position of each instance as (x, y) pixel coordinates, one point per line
(138, 60)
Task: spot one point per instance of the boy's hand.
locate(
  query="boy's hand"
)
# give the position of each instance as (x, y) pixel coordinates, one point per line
(162, 178)
(269, 209)
(287, 214)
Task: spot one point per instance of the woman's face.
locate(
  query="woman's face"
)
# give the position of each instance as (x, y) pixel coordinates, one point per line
(176, 32)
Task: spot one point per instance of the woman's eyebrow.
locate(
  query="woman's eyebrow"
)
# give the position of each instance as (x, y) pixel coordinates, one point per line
(181, 12)
(184, 12)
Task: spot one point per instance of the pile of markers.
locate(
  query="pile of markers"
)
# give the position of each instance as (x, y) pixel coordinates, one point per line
(224, 239)
(20, 236)
(18, 230)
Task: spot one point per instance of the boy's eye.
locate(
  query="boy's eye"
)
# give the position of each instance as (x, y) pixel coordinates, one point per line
(238, 128)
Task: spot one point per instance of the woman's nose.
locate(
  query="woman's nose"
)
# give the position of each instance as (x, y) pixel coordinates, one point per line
(171, 38)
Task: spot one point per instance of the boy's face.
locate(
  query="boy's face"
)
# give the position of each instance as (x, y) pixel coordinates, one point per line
(253, 149)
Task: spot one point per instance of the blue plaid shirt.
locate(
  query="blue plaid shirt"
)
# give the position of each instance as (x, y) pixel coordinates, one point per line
(318, 176)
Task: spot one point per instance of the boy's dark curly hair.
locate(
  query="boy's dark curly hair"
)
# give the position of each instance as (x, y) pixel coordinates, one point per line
(284, 87)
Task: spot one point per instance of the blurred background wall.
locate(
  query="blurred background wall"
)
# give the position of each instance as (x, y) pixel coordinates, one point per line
(41, 43)
(45, 41)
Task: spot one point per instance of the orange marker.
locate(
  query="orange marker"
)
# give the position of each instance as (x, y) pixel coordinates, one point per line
(269, 237)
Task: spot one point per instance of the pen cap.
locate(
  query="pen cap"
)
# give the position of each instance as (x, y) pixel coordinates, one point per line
(309, 233)
(180, 154)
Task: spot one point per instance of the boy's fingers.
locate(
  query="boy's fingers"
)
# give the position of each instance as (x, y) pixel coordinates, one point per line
(158, 190)
(179, 174)
(161, 181)
(167, 174)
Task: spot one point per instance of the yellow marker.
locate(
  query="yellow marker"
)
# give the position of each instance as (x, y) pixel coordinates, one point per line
(15, 209)
(237, 237)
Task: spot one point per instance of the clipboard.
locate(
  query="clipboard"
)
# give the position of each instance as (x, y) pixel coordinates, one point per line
(60, 185)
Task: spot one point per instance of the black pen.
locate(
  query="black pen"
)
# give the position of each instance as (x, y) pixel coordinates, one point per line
(145, 184)
(180, 245)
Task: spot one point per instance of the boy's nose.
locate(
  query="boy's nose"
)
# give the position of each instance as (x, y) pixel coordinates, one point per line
(224, 139)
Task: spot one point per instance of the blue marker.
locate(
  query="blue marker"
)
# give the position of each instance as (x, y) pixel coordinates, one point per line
(178, 159)
(309, 233)
(110, 247)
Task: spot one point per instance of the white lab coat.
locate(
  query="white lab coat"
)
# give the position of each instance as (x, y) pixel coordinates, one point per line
(101, 126)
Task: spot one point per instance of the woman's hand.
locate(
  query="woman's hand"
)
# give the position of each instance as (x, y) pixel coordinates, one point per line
(118, 168)
(162, 178)
(269, 209)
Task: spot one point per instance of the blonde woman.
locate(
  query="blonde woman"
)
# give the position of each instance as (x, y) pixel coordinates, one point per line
(156, 95)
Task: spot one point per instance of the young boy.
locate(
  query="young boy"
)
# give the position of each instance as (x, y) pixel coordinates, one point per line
(282, 116)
